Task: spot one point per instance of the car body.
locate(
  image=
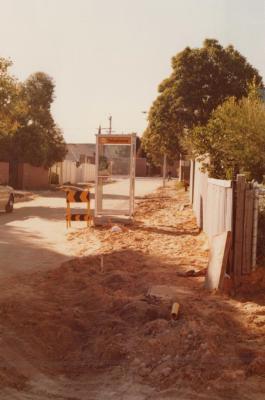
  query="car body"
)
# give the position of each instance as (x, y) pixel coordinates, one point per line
(6, 198)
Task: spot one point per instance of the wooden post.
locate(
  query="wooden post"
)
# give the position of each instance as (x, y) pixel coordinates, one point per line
(180, 168)
(193, 179)
(255, 228)
(239, 228)
(88, 213)
(248, 229)
(68, 215)
(164, 170)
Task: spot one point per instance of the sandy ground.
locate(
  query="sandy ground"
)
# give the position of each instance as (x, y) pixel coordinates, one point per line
(99, 326)
(34, 236)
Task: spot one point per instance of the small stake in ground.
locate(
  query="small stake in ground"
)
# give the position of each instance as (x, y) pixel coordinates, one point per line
(175, 311)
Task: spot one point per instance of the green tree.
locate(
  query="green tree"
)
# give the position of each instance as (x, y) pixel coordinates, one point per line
(39, 141)
(28, 132)
(139, 148)
(233, 141)
(202, 79)
(12, 108)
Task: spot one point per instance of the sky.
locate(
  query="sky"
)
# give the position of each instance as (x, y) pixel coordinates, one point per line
(107, 57)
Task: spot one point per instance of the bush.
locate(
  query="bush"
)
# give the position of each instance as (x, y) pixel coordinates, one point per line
(233, 141)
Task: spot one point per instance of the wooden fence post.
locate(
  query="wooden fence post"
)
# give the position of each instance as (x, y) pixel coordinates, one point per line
(248, 231)
(239, 228)
(255, 229)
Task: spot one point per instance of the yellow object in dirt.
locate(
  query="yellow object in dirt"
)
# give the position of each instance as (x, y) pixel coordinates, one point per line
(175, 311)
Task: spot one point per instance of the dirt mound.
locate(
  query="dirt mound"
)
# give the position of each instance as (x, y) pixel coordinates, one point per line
(110, 352)
(139, 311)
(252, 284)
(156, 327)
(116, 280)
(81, 318)
(76, 320)
(10, 377)
(257, 366)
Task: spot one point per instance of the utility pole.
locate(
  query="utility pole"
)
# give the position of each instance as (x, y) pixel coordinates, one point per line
(110, 122)
(164, 169)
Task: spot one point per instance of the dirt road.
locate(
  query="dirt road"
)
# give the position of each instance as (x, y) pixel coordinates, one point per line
(99, 327)
(34, 236)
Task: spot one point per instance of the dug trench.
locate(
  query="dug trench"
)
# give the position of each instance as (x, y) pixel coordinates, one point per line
(105, 318)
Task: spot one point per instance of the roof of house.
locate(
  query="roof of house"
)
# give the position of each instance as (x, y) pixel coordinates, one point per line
(75, 150)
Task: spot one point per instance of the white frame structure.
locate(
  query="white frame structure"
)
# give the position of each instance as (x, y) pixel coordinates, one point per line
(114, 139)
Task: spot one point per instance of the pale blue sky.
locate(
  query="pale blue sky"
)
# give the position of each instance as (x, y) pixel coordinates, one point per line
(108, 56)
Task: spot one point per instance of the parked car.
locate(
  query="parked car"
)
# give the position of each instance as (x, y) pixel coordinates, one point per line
(6, 198)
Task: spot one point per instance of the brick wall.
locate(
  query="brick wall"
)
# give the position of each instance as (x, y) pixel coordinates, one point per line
(34, 177)
(4, 172)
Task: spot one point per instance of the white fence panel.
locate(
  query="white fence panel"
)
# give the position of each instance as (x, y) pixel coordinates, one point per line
(212, 202)
(70, 173)
(218, 213)
(88, 172)
(200, 193)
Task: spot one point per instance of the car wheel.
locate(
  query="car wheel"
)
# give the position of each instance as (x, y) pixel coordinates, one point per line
(10, 204)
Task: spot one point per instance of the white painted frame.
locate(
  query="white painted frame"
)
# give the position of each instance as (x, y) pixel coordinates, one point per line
(131, 193)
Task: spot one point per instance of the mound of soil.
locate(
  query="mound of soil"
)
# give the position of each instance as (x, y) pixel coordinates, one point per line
(81, 318)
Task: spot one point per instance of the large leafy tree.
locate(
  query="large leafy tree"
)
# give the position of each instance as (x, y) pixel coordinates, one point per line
(233, 141)
(28, 132)
(202, 79)
(39, 140)
(12, 108)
